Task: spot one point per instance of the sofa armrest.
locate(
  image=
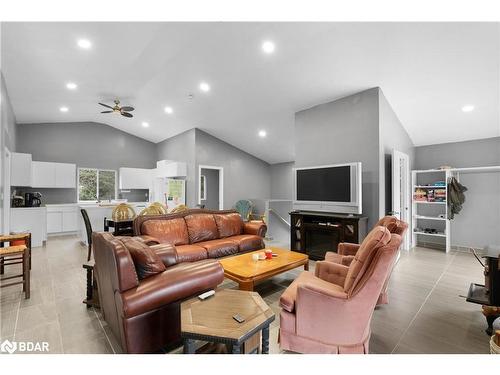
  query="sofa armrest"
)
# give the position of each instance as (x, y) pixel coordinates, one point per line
(332, 272)
(148, 240)
(167, 253)
(257, 228)
(346, 248)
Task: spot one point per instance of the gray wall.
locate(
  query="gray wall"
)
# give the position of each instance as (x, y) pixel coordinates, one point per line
(182, 148)
(392, 136)
(245, 176)
(211, 188)
(7, 139)
(342, 131)
(282, 181)
(479, 221)
(87, 144)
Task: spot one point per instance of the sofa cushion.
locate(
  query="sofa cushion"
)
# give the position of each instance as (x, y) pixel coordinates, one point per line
(173, 231)
(229, 224)
(147, 262)
(176, 283)
(248, 242)
(190, 253)
(166, 252)
(201, 227)
(219, 248)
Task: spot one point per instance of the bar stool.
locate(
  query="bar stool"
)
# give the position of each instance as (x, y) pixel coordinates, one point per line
(16, 254)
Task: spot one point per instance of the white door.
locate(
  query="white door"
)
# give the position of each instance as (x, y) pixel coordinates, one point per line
(65, 175)
(43, 174)
(401, 190)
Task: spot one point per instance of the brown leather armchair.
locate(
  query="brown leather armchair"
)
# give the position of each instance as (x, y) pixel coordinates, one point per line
(144, 315)
(330, 312)
(346, 251)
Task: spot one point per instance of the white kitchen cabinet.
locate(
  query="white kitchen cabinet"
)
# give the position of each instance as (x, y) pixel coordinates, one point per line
(43, 174)
(20, 169)
(65, 175)
(53, 175)
(62, 218)
(169, 168)
(135, 178)
(30, 219)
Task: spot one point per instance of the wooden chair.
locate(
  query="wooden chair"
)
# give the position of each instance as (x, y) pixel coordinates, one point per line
(179, 208)
(88, 228)
(16, 254)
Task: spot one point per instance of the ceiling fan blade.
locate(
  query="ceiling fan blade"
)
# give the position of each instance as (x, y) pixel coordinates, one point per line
(128, 109)
(107, 112)
(105, 105)
(126, 114)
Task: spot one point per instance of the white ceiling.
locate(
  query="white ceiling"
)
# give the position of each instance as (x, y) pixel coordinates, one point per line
(427, 71)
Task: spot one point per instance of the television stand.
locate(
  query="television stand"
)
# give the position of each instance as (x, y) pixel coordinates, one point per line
(315, 233)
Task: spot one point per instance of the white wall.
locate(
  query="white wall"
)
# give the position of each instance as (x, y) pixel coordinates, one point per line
(282, 180)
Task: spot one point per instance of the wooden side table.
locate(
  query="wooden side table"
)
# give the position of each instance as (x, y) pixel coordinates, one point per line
(212, 320)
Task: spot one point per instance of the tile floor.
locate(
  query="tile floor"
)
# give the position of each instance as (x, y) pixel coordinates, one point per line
(426, 311)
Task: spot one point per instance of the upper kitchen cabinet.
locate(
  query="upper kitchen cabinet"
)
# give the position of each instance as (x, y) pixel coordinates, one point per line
(135, 178)
(169, 168)
(20, 169)
(53, 175)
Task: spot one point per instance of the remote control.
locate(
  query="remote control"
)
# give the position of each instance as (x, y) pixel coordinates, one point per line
(238, 318)
(206, 295)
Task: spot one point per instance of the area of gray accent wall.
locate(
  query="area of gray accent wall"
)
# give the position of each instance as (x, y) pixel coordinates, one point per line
(342, 131)
(7, 138)
(282, 180)
(392, 136)
(182, 148)
(245, 176)
(479, 221)
(87, 144)
(212, 188)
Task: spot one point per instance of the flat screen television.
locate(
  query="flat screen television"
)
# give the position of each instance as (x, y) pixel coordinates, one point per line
(332, 188)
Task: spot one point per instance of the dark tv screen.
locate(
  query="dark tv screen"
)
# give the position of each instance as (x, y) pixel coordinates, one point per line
(331, 184)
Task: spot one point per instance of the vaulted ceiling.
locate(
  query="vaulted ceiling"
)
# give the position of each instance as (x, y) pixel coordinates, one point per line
(428, 72)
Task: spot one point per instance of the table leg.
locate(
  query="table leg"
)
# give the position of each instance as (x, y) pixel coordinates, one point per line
(246, 285)
(89, 287)
(189, 347)
(236, 349)
(306, 266)
(265, 340)
(26, 274)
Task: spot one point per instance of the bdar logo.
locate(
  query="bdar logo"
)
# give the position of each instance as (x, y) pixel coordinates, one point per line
(7, 346)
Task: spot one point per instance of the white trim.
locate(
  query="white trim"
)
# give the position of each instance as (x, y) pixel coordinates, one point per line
(6, 191)
(203, 197)
(221, 183)
(97, 192)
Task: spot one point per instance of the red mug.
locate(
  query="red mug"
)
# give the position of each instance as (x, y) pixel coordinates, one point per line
(269, 254)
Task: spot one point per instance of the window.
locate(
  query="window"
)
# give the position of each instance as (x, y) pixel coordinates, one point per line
(96, 184)
(203, 188)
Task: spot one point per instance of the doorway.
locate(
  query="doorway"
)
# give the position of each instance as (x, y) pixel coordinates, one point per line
(401, 190)
(210, 187)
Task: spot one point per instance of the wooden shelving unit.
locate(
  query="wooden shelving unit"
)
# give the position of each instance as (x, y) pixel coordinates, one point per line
(426, 214)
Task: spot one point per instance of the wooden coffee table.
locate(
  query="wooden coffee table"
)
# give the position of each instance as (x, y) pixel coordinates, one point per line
(246, 272)
(212, 320)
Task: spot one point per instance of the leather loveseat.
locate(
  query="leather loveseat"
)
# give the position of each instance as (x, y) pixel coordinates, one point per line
(202, 234)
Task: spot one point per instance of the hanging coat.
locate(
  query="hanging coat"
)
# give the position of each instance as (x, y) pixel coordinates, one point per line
(456, 197)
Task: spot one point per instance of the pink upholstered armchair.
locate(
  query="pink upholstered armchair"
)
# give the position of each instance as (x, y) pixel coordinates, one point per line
(330, 312)
(346, 251)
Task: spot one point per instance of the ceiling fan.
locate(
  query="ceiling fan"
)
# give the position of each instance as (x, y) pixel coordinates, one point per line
(124, 111)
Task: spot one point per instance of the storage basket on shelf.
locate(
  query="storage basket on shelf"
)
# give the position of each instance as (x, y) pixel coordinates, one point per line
(495, 343)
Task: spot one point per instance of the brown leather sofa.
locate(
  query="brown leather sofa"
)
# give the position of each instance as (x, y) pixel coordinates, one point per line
(145, 314)
(202, 234)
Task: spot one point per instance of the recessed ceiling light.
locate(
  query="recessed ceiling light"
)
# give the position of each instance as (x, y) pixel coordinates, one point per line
(84, 43)
(71, 86)
(268, 46)
(64, 109)
(467, 108)
(145, 124)
(205, 87)
(262, 133)
(169, 110)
